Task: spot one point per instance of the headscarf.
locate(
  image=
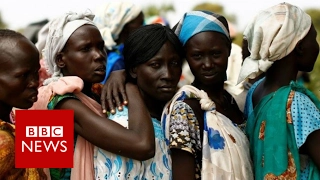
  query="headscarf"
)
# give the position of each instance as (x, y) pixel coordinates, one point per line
(42, 37)
(60, 30)
(272, 35)
(194, 22)
(112, 17)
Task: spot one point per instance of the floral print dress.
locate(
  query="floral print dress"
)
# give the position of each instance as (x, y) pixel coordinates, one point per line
(224, 151)
(111, 166)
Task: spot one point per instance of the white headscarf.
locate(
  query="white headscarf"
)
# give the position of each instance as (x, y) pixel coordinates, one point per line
(42, 37)
(111, 17)
(272, 35)
(60, 29)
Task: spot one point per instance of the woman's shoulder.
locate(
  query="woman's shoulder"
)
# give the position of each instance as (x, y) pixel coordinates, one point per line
(6, 146)
(55, 99)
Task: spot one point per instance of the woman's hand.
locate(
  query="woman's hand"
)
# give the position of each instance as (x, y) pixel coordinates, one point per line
(113, 92)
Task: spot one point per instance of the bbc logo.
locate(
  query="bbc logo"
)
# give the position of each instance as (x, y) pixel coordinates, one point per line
(44, 131)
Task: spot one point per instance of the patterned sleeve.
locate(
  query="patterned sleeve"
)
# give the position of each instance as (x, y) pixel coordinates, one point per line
(184, 128)
(305, 117)
(54, 100)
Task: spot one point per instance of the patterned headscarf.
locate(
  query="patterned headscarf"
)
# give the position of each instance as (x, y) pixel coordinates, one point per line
(112, 17)
(60, 29)
(194, 22)
(272, 35)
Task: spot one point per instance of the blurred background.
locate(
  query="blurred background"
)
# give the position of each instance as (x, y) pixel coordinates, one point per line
(29, 16)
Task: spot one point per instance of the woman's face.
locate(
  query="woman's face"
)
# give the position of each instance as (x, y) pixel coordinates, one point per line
(207, 55)
(158, 77)
(84, 55)
(310, 51)
(19, 78)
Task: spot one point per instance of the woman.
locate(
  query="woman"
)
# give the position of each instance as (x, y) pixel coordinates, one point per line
(75, 55)
(116, 20)
(153, 57)
(19, 60)
(283, 117)
(201, 122)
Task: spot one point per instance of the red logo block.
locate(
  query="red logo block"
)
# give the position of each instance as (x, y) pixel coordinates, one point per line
(44, 139)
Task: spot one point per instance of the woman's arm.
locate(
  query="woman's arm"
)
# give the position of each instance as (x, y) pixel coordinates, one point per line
(137, 142)
(184, 144)
(312, 147)
(114, 92)
(183, 165)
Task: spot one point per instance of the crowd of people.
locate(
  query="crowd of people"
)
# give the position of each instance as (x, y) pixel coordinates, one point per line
(135, 117)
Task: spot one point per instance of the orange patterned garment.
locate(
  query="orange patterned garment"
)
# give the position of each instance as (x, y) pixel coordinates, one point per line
(7, 168)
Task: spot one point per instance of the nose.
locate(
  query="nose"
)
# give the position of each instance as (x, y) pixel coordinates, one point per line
(99, 54)
(167, 73)
(34, 81)
(208, 63)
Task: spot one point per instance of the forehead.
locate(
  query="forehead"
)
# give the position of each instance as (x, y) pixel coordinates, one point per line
(17, 50)
(207, 38)
(85, 32)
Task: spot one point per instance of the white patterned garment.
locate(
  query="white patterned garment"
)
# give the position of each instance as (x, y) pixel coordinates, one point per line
(111, 17)
(272, 35)
(225, 148)
(115, 167)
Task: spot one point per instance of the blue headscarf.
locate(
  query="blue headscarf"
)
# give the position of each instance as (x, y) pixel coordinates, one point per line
(194, 22)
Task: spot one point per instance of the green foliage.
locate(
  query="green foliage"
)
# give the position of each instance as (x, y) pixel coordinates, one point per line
(2, 23)
(216, 8)
(238, 39)
(154, 10)
(314, 84)
(315, 16)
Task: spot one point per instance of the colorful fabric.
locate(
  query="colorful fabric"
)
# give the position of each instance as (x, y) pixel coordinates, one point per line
(225, 153)
(157, 20)
(7, 160)
(272, 35)
(276, 155)
(56, 173)
(60, 29)
(112, 17)
(204, 20)
(83, 153)
(112, 166)
(183, 117)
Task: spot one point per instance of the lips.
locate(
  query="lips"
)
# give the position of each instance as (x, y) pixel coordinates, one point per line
(208, 75)
(168, 88)
(100, 70)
